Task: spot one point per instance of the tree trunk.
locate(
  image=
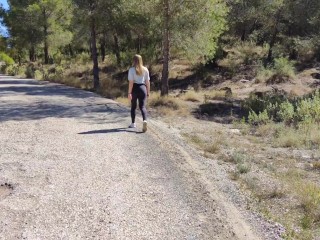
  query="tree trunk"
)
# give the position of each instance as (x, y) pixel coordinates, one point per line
(32, 54)
(94, 54)
(274, 36)
(46, 52)
(70, 50)
(117, 48)
(45, 32)
(103, 48)
(166, 50)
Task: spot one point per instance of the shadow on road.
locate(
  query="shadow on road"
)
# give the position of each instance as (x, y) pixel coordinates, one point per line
(115, 130)
(22, 100)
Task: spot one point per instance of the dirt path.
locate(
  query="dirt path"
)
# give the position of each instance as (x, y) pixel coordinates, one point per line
(70, 169)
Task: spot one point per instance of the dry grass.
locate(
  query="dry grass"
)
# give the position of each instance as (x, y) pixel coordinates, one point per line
(304, 137)
(214, 95)
(288, 138)
(192, 96)
(309, 195)
(316, 165)
(168, 105)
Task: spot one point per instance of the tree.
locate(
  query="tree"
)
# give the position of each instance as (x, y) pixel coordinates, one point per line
(34, 22)
(53, 18)
(193, 34)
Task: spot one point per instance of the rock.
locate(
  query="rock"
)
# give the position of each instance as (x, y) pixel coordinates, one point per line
(315, 75)
(244, 81)
(235, 131)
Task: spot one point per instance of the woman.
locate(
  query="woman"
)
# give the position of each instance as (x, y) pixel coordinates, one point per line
(139, 89)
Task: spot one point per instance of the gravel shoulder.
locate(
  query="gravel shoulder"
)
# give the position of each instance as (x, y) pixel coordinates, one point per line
(70, 169)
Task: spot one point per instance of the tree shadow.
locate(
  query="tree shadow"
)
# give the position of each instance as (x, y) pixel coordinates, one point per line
(220, 111)
(74, 102)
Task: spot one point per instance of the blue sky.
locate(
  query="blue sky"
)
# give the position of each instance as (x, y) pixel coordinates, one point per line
(4, 3)
(3, 30)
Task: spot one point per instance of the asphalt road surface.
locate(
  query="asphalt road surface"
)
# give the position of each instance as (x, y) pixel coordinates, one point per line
(71, 169)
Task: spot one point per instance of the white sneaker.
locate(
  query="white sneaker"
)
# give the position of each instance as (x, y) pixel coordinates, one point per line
(145, 126)
(132, 125)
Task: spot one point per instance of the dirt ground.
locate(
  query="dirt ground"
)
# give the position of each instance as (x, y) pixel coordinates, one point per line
(268, 177)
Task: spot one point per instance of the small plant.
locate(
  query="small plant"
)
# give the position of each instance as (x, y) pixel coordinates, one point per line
(243, 168)
(309, 194)
(191, 96)
(263, 75)
(238, 157)
(282, 70)
(213, 148)
(316, 165)
(286, 112)
(258, 119)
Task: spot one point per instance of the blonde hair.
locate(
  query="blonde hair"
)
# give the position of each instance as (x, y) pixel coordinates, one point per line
(138, 64)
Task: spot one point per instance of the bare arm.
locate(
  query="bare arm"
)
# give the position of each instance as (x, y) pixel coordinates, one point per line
(148, 87)
(130, 88)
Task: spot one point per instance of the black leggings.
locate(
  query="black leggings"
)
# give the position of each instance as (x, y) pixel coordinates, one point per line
(139, 92)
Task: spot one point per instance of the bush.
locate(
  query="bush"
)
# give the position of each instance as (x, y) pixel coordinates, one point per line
(247, 53)
(308, 109)
(264, 74)
(283, 67)
(286, 112)
(282, 70)
(6, 59)
(258, 119)
(38, 75)
(11, 70)
(30, 71)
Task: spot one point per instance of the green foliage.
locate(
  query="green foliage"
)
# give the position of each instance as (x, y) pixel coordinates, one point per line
(243, 53)
(281, 71)
(283, 67)
(308, 109)
(6, 59)
(286, 112)
(258, 119)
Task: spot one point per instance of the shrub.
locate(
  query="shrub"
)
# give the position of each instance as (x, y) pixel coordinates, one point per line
(264, 74)
(30, 71)
(11, 70)
(38, 75)
(6, 59)
(247, 53)
(286, 112)
(258, 119)
(309, 195)
(308, 109)
(284, 68)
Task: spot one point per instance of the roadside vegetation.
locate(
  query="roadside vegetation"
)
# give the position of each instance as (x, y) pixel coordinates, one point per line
(243, 89)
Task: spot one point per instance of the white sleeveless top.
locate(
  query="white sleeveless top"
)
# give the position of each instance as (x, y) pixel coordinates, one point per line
(132, 76)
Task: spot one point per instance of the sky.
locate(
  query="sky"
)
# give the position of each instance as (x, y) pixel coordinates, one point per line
(4, 3)
(3, 30)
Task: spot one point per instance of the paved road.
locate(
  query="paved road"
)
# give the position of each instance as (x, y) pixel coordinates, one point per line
(70, 169)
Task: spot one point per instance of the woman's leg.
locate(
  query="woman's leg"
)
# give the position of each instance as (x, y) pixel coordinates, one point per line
(142, 96)
(133, 106)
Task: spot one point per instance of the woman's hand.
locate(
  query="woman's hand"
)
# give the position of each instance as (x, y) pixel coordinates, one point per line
(130, 96)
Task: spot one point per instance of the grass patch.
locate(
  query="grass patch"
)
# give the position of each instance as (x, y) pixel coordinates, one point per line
(305, 136)
(192, 96)
(309, 195)
(214, 95)
(316, 165)
(156, 101)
